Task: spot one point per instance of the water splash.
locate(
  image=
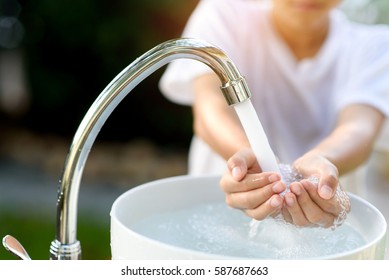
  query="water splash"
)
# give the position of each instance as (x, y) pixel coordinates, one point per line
(217, 229)
(268, 161)
(289, 174)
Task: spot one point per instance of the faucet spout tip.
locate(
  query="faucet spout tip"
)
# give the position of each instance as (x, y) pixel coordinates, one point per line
(236, 91)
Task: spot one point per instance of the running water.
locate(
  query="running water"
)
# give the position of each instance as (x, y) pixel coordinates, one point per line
(214, 228)
(266, 158)
(256, 136)
(261, 146)
(217, 229)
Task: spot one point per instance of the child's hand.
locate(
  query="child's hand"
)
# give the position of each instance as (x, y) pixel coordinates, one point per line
(249, 189)
(320, 201)
(309, 202)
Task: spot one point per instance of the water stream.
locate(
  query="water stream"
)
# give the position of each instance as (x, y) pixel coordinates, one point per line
(256, 136)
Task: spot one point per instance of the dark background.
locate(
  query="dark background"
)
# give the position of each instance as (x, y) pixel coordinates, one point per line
(57, 57)
(73, 49)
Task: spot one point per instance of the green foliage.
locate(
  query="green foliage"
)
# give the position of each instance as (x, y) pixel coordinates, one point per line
(36, 232)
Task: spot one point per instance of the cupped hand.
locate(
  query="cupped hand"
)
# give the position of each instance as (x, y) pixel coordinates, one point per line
(247, 188)
(315, 165)
(305, 207)
(318, 201)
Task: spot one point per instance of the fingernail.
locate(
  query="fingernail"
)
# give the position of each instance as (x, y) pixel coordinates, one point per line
(296, 189)
(325, 192)
(236, 172)
(275, 202)
(278, 187)
(274, 178)
(289, 201)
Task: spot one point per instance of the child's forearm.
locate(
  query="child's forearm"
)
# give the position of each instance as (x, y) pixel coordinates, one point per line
(351, 142)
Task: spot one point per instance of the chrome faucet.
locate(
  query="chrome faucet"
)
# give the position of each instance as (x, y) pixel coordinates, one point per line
(233, 86)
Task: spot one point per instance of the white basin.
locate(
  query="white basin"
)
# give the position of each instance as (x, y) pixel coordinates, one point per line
(177, 194)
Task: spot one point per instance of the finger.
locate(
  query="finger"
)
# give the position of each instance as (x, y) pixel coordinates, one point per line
(240, 162)
(295, 212)
(286, 215)
(271, 207)
(331, 206)
(250, 199)
(250, 182)
(312, 212)
(328, 181)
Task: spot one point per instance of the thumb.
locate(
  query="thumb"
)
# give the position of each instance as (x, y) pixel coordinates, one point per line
(328, 182)
(240, 162)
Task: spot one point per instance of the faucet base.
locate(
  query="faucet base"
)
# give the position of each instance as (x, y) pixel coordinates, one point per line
(59, 251)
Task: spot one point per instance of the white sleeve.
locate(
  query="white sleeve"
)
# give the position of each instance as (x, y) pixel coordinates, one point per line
(369, 83)
(208, 22)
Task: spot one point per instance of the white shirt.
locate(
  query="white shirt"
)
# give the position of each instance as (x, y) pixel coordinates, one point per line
(297, 101)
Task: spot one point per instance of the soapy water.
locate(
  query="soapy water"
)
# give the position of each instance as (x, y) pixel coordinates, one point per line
(217, 229)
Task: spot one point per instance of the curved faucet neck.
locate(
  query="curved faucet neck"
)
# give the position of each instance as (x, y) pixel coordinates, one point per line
(233, 87)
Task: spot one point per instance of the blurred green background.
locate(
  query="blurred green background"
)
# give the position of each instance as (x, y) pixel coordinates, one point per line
(72, 49)
(60, 55)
